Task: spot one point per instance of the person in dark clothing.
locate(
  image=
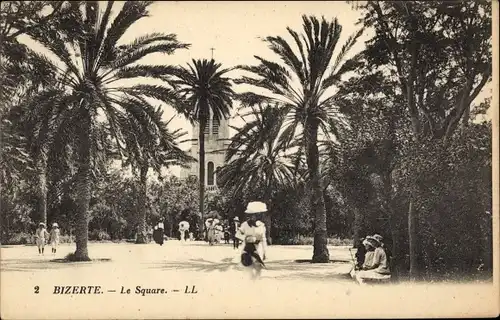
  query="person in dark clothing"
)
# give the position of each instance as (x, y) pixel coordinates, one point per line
(360, 254)
(227, 234)
(158, 233)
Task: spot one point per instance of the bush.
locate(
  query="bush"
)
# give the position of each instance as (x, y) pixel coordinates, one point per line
(20, 238)
(99, 235)
(66, 238)
(301, 240)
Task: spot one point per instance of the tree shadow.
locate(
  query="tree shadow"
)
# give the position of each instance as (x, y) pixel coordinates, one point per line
(314, 276)
(25, 265)
(197, 265)
(295, 269)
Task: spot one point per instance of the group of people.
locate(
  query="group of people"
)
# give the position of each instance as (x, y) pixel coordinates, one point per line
(184, 234)
(216, 231)
(42, 235)
(372, 260)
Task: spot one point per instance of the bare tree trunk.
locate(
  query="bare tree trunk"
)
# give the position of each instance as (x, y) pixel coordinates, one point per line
(357, 226)
(320, 254)
(83, 192)
(412, 234)
(268, 224)
(201, 139)
(141, 226)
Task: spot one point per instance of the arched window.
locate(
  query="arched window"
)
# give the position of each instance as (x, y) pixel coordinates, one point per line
(210, 169)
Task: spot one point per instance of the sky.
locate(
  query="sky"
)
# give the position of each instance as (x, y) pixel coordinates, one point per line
(234, 30)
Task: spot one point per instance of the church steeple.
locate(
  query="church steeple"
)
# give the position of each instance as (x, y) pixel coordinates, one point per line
(216, 139)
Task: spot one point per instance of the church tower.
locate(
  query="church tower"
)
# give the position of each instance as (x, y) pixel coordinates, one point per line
(216, 142)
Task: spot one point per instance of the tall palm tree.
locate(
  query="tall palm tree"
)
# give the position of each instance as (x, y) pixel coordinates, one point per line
(90, 68)
(207, 91)
(302, 83)
(23, 71)
(153, 146)
(256, 161)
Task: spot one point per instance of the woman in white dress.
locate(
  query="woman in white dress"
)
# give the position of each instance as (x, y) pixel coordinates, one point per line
(183, 228)
(54, 237)
(253, 234)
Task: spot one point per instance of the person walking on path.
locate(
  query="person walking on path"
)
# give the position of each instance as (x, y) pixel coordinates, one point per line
(183, 228)
(253, 234)
(234, 229)
(54, 237)
(41, 234)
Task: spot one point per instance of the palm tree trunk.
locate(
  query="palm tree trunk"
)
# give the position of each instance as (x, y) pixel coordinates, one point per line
(141, 226)
(320, 254)
(42, 191)
(83, 192)
(201, 139)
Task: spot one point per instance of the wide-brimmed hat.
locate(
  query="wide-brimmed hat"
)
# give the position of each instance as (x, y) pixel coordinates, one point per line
(373, 241)
(41, 224)
(256, 207)
(55, 225)
(236, 219)
(378, 237)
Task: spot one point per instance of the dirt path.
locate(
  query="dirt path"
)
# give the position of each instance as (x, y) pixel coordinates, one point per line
(286, 289)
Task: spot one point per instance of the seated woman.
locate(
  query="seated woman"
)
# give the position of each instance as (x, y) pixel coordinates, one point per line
(376, 266)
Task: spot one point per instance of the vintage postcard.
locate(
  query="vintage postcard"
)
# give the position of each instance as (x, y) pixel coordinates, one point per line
(247, 160)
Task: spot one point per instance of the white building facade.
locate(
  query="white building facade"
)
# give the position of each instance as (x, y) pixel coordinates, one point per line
(216, 143)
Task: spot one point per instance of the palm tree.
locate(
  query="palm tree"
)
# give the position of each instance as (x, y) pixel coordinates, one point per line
(256, 162)
(92, 96)
(302, 84)
(207, 91)
(153, 146)
(23, 72)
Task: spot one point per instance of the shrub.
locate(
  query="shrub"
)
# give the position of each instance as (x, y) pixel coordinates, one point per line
(20, 238)
(301, 240)
(66, 239)
(99, 235)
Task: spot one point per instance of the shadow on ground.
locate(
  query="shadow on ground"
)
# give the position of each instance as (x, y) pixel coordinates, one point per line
(294, 270)
(37, 265)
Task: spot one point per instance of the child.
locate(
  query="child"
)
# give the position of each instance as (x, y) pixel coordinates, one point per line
(253, 234)
(54, 237)
(40, 235)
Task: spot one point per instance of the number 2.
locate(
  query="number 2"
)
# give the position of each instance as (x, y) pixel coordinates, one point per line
(37, 288)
